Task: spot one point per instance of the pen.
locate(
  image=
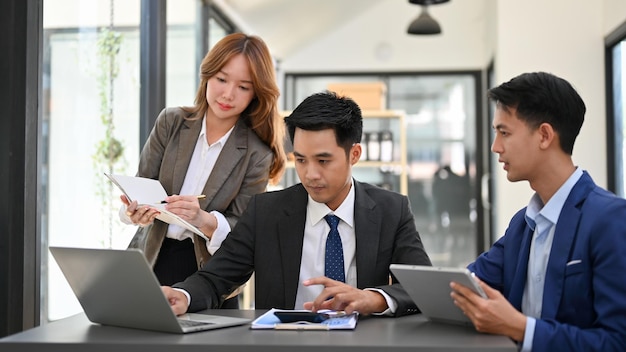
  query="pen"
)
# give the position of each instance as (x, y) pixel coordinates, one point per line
(201, 196)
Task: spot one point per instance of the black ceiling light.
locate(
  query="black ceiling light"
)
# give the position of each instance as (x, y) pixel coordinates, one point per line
(424, 24)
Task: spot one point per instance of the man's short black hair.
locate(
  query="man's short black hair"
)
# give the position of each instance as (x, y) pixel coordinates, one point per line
(540, 97)
(326, 110)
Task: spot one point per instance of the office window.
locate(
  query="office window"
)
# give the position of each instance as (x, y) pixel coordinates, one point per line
(90, 102)
(181, 70)
(181, 48)
(616, 109)
(440, 114)
(219, 25)
(619, 85)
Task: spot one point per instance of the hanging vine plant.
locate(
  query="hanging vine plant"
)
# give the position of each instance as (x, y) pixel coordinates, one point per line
(109, 150)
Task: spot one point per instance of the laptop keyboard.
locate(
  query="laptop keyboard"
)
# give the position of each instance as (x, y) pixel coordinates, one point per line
(190, 323)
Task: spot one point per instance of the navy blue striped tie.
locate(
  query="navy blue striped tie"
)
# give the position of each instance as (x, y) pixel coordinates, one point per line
(333, 265)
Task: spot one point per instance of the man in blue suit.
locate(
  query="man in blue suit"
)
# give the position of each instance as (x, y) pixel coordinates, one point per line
(556, 280)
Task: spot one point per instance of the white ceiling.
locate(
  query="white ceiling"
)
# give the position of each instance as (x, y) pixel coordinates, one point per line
(366, 35)
(287, 25)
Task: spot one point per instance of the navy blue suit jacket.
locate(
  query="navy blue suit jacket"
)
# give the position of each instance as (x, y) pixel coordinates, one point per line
(584, 298)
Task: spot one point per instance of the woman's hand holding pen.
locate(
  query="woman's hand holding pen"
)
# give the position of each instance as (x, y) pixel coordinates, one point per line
(140, 215)
(188, 208)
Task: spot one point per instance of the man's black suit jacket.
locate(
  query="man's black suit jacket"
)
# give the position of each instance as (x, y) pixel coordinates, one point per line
(268, 239)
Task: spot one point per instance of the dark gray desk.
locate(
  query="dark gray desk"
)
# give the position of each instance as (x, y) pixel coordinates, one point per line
(410, 333)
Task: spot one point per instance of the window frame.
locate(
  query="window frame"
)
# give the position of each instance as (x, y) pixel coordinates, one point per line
(614, 147)
(484, 215)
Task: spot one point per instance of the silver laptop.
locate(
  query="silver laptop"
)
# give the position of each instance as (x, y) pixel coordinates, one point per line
(118, 288)
(429, 287)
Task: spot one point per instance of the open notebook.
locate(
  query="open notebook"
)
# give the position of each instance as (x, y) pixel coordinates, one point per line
(150, 192)
(117, 287)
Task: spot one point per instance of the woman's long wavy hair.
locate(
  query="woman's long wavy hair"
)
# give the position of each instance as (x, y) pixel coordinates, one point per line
(261, 115)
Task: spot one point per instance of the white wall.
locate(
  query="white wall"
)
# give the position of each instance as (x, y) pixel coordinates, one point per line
(614, 14)
(564, 37)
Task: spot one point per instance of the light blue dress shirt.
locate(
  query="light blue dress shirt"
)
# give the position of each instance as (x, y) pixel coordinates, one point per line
(542, 219)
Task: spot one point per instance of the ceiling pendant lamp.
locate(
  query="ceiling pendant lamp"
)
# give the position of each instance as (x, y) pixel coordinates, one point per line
(424, 24)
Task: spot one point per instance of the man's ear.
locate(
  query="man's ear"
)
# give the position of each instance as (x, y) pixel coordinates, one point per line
(355, 153)
(547, 134)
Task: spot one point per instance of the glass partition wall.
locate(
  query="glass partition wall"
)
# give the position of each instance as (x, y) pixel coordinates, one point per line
(439, 127)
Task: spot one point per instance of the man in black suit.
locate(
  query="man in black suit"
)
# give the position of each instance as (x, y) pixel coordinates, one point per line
(281, 237)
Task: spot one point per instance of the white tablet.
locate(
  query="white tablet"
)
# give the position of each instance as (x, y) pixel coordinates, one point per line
(429, 287)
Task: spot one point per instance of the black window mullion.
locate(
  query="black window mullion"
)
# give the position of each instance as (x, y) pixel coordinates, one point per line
(21, 23)
(152, 33)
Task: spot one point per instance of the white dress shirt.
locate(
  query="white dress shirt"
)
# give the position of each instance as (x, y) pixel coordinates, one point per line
(316, 231)
(314, 245)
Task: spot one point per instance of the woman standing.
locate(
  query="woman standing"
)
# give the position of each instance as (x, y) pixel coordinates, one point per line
(227, 147)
